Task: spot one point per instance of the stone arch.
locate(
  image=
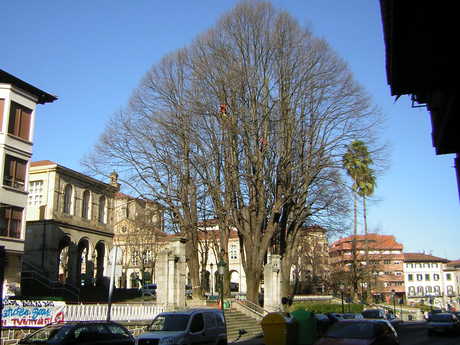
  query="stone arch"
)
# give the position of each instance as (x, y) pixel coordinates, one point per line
(99, 262)
(85, 266)
(234, 281)
(64, 260)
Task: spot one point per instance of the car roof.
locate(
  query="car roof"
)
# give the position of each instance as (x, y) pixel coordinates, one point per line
(363, 320)
(191, 311)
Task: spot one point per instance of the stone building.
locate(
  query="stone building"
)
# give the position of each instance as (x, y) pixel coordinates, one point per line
(379, 258)
(69, 231)
(18, 101)
(138, 229)
(313, 269)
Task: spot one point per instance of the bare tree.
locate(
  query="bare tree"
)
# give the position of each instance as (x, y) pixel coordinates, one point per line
(254, 115)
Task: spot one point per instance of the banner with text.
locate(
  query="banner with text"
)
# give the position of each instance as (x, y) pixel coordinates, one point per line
(26, 313)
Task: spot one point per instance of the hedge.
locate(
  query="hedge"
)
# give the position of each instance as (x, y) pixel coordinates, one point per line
(321, 308)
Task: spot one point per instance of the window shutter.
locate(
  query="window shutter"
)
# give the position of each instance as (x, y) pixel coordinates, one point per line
(13, 117)
(21, 170)
(2, 107)
(24, 129)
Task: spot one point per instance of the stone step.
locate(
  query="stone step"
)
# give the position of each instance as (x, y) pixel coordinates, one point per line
(236, 320)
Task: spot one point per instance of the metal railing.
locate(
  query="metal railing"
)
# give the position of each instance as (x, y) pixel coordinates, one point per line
(249, 308)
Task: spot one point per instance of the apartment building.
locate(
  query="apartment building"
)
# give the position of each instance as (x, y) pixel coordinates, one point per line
(379, 256)
(18, 101)
(69, 230)
(430, 279)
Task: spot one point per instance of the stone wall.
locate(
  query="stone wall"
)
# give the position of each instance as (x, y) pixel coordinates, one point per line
(11, 335)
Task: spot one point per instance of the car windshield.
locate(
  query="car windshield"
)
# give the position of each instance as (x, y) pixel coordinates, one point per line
(372, 314)
(50, 334)
(441, 318)
(170, 323)
(359, 330)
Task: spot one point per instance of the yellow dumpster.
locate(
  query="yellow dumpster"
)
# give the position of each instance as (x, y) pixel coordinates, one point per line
(279, 329)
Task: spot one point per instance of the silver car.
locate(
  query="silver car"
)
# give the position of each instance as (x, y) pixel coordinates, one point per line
(193, 326)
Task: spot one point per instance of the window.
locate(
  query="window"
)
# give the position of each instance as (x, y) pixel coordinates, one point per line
(67, 199)
(10, 221)
(420, 290)
(450, 290)
(427, 277)
(85, 204)
(233, 252)
(197, 324)
(436, 276)
(448, 276)
(437, 290)
(410, 277)
(19, 123)
(386, 262)
(428, 290)
(102, 210)
(411, 290)
(419, 277)
(15, 172)
(35, 197)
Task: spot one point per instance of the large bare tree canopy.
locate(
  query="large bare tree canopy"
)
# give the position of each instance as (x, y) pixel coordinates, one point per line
(253, 117)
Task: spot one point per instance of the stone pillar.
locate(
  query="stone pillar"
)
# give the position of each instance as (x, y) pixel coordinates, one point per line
(171, 274)
(272, 284)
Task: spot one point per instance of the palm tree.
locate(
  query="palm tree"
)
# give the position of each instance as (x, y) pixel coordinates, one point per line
(356, 162)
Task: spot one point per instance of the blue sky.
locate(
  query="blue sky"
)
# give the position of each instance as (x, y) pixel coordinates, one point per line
(92, 54)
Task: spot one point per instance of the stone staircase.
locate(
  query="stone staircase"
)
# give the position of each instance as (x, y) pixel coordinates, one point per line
(236, 321)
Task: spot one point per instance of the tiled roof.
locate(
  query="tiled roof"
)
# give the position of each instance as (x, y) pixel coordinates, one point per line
(42, 163)
(412, 257)
(374, 241)
(454, 263)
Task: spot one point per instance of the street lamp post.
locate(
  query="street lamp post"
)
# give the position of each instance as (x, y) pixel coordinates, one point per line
(394, 302)
(341, 295)
(221, 269)
(212, 278)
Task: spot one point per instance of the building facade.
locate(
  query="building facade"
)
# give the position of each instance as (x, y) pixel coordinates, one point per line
(424, 277)
(18, 101)
(139, 236)
(379, 261)
(69, 230)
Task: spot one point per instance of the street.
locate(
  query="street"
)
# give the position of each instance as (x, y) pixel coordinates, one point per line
(411, 333)
(416, 334)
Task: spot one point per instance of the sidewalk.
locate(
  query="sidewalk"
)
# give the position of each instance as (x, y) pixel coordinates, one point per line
(253, 341)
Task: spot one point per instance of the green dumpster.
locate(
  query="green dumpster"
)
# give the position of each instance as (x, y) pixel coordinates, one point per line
(307, 327)
(279, 329)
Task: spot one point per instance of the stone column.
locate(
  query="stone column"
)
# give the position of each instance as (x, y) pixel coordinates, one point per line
(170, 272)
(272, 284)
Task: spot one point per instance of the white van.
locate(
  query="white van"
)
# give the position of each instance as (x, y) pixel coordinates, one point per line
(188, 327)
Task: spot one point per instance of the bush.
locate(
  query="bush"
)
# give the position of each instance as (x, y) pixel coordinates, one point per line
(321, 308)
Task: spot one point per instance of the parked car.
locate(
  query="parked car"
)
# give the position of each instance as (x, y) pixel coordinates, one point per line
(188, 291)
(149, 290)
(443, 323)
(322, 322)
(81, 333)
(362, 332)
(334, 317)
(347, 316)
(193, 326)
(381, 314)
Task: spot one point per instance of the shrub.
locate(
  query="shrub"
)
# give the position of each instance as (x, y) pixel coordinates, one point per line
(328, 307)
